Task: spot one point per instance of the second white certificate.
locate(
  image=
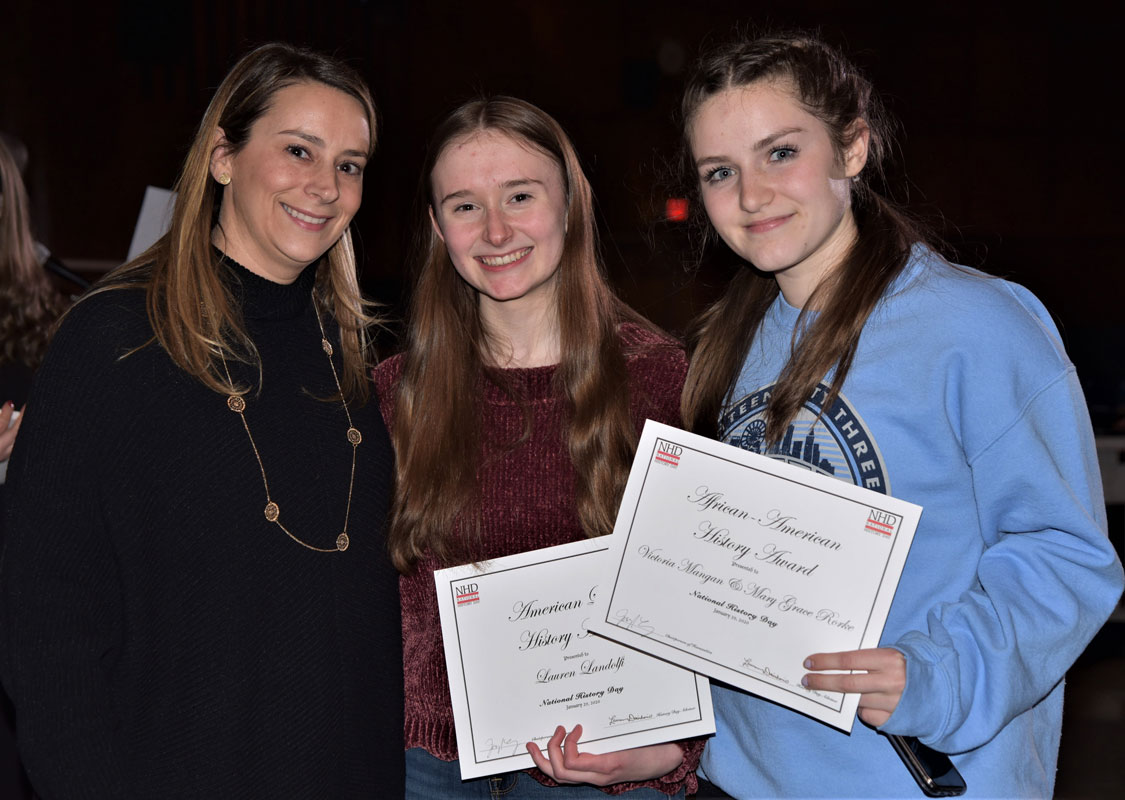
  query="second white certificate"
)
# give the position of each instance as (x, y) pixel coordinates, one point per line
(522, 661)
(739, 566)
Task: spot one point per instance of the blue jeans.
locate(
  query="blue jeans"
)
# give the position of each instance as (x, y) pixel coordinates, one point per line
(429, 778)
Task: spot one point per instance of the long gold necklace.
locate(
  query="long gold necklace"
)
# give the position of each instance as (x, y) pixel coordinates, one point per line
(237, 404)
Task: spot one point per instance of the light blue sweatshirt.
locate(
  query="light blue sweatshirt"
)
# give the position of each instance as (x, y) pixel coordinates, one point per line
(960, 399)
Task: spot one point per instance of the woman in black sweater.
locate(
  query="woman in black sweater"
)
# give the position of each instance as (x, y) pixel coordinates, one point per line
(196, 596)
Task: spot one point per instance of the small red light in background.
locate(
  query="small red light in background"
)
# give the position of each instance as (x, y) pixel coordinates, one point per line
(676, 209)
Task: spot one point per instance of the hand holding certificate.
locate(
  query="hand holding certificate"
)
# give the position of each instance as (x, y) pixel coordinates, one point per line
(562, 761)
(739, 567)
(522, 661)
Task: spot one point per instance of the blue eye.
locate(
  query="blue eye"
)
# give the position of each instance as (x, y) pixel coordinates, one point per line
(717, 174)
(782, 153)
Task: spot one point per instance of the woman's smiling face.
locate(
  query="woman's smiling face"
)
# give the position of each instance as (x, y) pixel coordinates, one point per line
(773, 184)
(500, 206)
(296, 183)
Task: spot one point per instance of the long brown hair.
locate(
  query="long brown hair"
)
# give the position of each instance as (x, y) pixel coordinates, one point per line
(830, 88)
(29, 305)
(437, 442)
(190, 306)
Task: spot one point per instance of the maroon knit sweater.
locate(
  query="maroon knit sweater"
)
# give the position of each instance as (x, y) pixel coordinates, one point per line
(527, 502)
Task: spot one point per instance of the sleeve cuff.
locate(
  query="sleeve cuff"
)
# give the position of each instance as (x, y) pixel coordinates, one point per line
(925, 708)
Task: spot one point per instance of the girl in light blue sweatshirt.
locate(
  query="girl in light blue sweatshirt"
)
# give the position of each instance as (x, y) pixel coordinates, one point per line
(910, 376)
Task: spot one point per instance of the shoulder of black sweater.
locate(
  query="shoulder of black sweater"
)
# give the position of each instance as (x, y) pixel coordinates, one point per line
(110, 322)
(93, 338)
(87, 385)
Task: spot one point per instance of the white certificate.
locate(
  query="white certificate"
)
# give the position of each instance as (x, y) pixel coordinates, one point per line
(739, 566)
(521, 662)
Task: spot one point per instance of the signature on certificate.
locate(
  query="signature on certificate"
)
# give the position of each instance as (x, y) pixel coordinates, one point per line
(616, 720)
(633, 622)
(494, 748)
(765, 672)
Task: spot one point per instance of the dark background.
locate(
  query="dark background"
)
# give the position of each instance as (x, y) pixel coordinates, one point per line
(1012, 143)
(1012, 146)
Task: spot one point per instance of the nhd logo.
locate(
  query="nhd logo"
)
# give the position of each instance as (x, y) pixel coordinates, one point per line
(467, 594)
(668, 453)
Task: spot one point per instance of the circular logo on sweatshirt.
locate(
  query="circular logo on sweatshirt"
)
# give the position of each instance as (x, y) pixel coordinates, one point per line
(834, 442)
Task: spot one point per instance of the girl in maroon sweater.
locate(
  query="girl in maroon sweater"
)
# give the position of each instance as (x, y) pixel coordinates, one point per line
(514, 412)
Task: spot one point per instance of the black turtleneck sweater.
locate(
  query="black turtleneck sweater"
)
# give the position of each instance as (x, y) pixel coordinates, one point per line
(162, 638)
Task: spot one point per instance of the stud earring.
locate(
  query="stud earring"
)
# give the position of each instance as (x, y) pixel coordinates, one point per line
(224, 178)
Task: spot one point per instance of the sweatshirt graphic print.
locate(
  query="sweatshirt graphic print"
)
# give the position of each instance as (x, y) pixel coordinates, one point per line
(835, 442)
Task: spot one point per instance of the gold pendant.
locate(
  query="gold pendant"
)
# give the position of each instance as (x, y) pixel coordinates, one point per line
(342, 542)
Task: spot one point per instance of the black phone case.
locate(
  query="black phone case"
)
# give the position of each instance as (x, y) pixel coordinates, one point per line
(932, 771)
